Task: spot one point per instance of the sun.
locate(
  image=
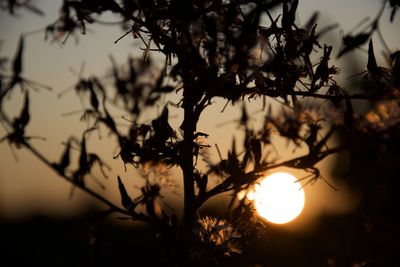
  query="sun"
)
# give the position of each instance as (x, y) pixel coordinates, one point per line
(278, 198)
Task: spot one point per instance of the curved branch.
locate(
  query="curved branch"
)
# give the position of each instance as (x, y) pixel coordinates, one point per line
(273, 94)
(133, 214)
(229, 183)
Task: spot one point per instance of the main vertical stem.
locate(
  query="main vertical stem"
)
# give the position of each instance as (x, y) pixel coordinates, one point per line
(189, 128)
(186, 54)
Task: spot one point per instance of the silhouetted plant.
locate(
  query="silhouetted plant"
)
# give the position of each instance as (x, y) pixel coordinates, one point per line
(213, 49)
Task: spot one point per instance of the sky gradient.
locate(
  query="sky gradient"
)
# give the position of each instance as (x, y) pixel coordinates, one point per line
(28, 187)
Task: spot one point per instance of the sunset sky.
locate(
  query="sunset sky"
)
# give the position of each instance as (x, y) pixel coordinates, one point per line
(28, 187)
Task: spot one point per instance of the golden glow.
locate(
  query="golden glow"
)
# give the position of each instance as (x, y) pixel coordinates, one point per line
(278, 198)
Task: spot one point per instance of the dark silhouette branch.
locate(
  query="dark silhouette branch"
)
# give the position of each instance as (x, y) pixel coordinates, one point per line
(231, 182)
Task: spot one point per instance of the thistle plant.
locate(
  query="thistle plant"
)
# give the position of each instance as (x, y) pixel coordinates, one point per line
(212, 50)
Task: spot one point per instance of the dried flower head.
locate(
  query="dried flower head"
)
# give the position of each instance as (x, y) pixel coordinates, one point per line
(217, 237)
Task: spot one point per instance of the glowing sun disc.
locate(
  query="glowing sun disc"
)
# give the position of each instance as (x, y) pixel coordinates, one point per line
(278, 198)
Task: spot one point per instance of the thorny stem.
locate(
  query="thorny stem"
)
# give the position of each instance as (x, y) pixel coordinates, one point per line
(252, 176)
